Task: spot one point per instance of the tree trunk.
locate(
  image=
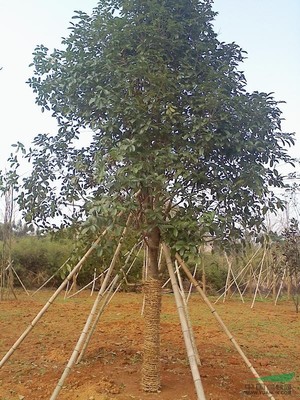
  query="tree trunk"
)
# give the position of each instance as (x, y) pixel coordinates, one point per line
(152, 290)
(251, 280)
(203, 278)
(274, 286)
(288, 282)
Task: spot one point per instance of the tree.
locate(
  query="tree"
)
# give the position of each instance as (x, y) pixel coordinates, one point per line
(176, 138)
(6, 276)
(291, 252)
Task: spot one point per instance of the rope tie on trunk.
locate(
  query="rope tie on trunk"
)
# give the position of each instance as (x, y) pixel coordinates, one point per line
(151, 356)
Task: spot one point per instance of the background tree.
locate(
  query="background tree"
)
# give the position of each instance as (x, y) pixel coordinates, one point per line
(6, 272)
(176, 138)
(291, 252)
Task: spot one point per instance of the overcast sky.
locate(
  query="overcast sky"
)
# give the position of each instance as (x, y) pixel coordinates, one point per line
(268, 30)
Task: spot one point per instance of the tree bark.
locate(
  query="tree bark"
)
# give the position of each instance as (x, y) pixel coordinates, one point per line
(203, 278)
(152, 290)
(274, 286)
(288, 282)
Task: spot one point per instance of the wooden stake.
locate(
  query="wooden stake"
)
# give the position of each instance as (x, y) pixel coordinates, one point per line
(93, 282)
(191, 285)
(77, 348)
(280, 287)
(227, 284)
(51, 277)
(96, 319)
(187, 315)
(234, 279)
(259, 276)
(67, 290)
(223, 326)
(88, 284)
(88, 323)
(107, 300)
(50, 301)
(240, 273)
(184, 327)
(145, 273)
(19, 279)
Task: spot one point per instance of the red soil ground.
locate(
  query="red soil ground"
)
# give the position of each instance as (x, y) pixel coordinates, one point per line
(269, 335)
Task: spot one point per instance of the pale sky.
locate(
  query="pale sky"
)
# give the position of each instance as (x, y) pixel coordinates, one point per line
(269, 30)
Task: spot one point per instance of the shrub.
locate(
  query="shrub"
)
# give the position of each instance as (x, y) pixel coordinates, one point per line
(37, 258)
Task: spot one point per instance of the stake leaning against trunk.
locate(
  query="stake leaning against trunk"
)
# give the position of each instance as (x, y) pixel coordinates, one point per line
(187, 335)
(50, 301)
(224, 327)
(92, 315)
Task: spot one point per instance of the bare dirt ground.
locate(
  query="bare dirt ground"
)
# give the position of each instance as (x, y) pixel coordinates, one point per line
(269, 335)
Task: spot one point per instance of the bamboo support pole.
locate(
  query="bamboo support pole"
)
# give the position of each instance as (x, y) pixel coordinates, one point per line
(259, 276)
(50, 301)
(191, 285)
(129, 254)
(228, 284)
(145, 263)
(233, 276)
(266, 272)
(67, 290)
(252, 276)
(160, 257)
(9, 279)
(169, 279)
(145, 274)
(19, 279)
(187, 314)
(107, 299)
(184, 327)
(238, 275)
(270, 290)
(90, 318)
(2, 282)
(179, 279)
(125, 275)
(165, 284)
(224, 327)
(51, 277)
(96, 319)
(87, 285)
(77, 348)
(93, 282)
(280, 287)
